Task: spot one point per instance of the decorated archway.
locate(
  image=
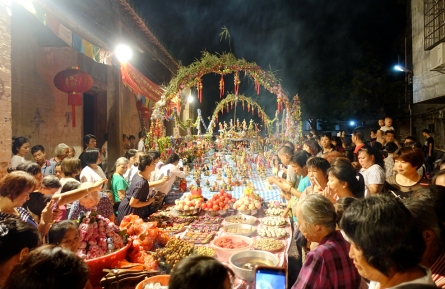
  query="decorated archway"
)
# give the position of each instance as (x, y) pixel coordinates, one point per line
(222, 64)
(231, 100)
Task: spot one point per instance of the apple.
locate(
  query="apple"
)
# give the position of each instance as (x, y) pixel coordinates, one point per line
(215, 207)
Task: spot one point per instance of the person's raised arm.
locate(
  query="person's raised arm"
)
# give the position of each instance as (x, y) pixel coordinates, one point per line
(74, 195)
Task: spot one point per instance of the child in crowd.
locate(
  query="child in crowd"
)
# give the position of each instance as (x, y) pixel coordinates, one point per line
(47, 167)
(65, 235)
(388, 124)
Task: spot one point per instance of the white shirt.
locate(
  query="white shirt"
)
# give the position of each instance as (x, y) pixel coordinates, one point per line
(174, 172)
(374, 175)
(141, 146)
(90, 175)
(129, 174)
(16, 160)
(425, 280)
(385, 128)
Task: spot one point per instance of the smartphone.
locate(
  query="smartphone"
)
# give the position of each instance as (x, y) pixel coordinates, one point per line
(56, 204)
(168, 172)
(270, 277)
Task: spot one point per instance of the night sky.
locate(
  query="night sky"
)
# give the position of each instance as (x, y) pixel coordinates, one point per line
(300, 40)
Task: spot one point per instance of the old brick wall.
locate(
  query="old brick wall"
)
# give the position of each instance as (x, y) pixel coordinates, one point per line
(40, 111)
(5, 89)
(130, 124)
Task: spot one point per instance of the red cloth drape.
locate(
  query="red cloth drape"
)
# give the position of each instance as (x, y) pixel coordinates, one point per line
(138, 83)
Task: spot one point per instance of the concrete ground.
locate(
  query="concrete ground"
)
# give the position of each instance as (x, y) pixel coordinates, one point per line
(294, 264)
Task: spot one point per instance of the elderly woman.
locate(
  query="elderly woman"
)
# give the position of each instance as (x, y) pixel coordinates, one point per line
(95, 200)
(17, 238)
(407, 161)
(14, 192)
(92, 172)
(20, 148)
(372, 169)
(328, 265)
(61, 152)
(137, 198)
(385, 246)
(119, 185)
(422, 209)
(49, 267)
(343, 182)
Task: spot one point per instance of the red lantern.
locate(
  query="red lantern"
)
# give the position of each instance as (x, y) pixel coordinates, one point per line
(74, 82)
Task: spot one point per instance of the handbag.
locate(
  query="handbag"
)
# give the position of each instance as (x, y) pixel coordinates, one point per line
(125, 278)
(157, 203)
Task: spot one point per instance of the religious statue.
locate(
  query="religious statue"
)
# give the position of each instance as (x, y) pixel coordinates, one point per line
(231, 123)
(225, 125)
(220, 126)
(251, 125)
(244, 124)
(237, 123)
(211, 125)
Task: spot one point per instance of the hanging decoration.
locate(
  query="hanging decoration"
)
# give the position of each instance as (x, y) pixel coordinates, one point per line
(224, 104)
(74, 82)
(222, 64)
(236, 82)
(221, 86)
(199, 89)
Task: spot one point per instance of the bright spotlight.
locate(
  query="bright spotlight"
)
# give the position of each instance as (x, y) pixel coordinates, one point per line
(399, 68)
(123, 52)
(352, 123)
(190, 99)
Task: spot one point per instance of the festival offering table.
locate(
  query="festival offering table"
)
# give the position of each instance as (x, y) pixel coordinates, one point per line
(261, 187)
(281, 254)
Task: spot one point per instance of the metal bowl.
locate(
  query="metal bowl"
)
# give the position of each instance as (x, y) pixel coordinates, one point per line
(216, 213)
(189, 212)
(242, 258)
(248, 212)
(251, 232)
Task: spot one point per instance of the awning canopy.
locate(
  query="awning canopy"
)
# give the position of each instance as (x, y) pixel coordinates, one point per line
(140, 84)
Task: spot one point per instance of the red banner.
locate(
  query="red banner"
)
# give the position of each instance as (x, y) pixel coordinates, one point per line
(138, 83)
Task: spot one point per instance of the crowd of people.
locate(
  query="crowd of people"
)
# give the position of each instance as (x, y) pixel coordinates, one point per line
(364, 213)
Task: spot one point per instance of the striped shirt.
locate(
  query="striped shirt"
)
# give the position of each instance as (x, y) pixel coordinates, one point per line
(24, 216)
(438, 270)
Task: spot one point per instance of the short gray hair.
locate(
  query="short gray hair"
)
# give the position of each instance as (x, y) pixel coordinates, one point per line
(318, 210)
(51, 182)
(59, 149)
(122, 161)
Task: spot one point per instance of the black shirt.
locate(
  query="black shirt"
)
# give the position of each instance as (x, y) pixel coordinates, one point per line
(429, 141)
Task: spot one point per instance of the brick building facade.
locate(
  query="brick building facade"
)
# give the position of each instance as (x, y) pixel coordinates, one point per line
(31, 54)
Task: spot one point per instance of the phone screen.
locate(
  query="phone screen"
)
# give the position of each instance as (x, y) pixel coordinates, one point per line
(270, 278)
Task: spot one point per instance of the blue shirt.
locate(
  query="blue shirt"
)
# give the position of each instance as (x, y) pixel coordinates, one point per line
(48, 168)
(304, 183)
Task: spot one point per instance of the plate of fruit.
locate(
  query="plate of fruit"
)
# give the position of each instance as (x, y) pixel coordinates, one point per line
(218, 204)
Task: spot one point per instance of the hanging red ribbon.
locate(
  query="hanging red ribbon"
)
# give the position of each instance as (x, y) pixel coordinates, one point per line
(221, 86)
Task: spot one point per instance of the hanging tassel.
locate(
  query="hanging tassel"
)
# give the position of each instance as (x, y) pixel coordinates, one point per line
(243, 104)
(248, 107)
(227, 109)
(253, 109)
(221, 86)
(257, 87)
(236, 82)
